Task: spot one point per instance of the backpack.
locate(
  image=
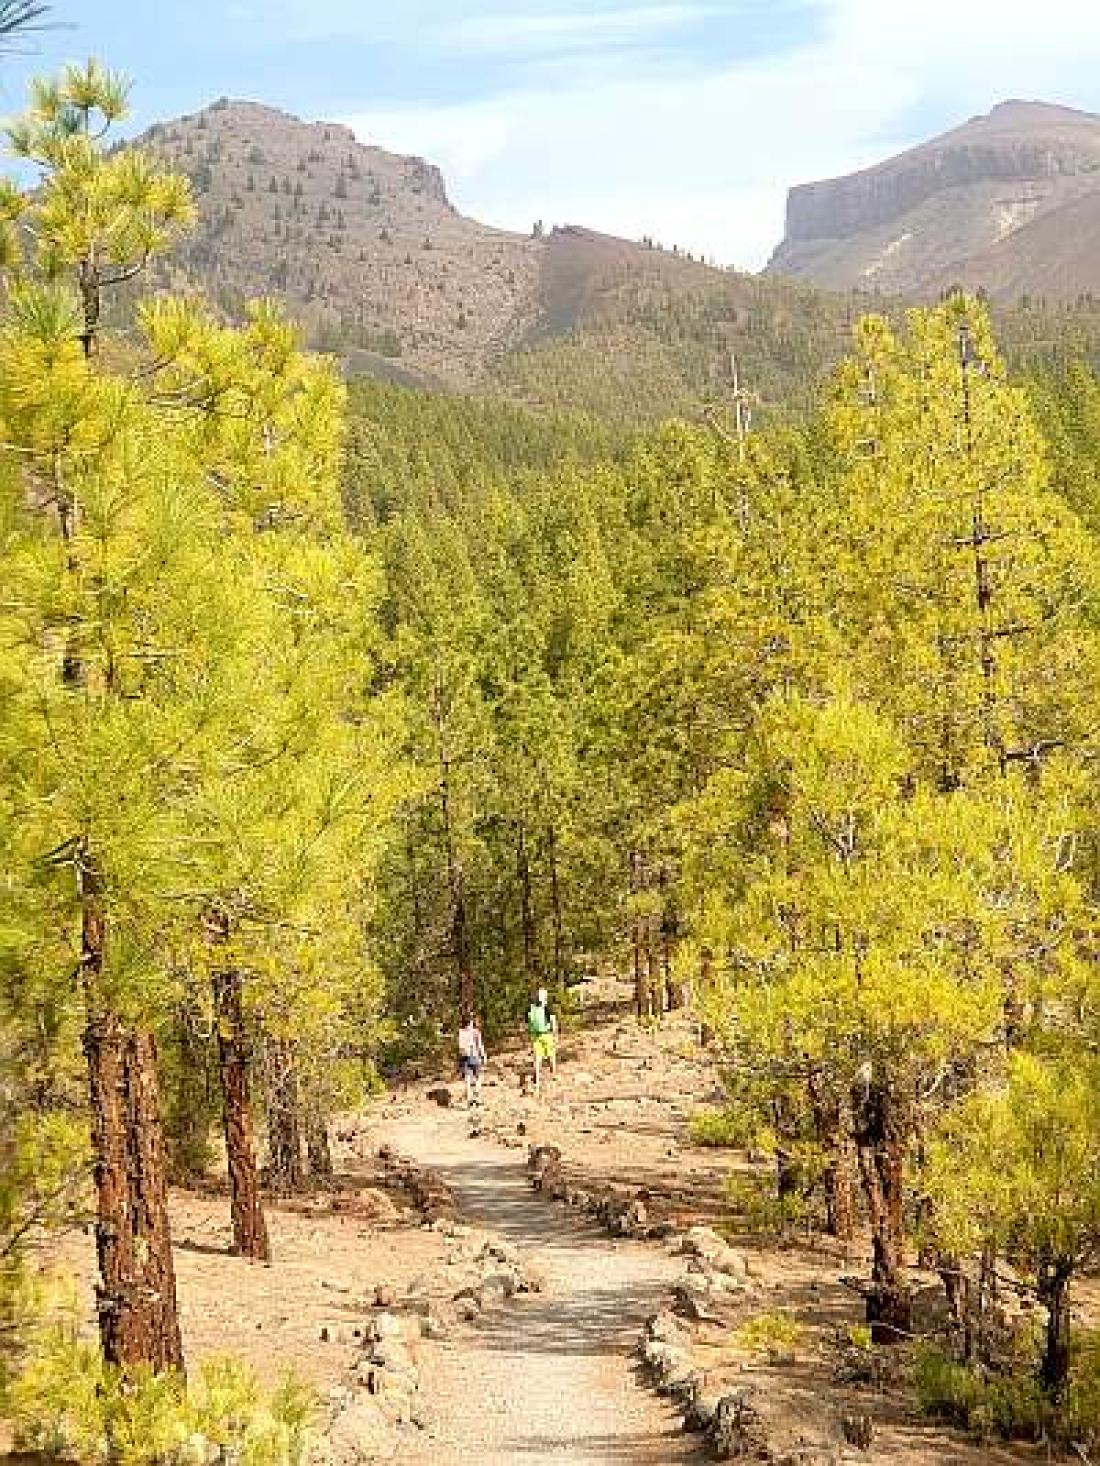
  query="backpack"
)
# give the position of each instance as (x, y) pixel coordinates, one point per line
(538, 1023)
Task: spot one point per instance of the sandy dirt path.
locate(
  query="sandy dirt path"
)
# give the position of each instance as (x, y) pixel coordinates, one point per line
(549, 1377)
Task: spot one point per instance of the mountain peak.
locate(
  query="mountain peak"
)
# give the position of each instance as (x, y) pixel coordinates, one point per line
(1035, 113)
(913, 221)
(365, 242)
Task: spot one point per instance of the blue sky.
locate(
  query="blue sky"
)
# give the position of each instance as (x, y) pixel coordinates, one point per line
(683, 119)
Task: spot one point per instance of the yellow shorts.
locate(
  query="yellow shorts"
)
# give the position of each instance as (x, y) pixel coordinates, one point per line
(543, 1046)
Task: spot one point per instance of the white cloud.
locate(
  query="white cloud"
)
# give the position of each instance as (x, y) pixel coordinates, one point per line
(704, 160)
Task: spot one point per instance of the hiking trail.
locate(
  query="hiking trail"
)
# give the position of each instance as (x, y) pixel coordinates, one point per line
(551, 1376)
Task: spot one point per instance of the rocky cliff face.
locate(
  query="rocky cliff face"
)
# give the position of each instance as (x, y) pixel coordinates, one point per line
(363, 244)
(901, 225)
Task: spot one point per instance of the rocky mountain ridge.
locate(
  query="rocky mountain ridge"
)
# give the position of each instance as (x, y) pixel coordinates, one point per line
(367, 252)
(932, 215)
(363, 244)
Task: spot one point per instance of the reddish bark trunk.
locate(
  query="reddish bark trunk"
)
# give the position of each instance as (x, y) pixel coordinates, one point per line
(833, 1122)
(250, 1238)
(136, 1291)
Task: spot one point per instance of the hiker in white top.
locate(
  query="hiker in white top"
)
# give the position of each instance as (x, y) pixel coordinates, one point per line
(471, 1056)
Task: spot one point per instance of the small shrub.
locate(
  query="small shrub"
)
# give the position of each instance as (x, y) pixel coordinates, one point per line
(1083, 1397)
(66, 1402)
(757, 1208)
(945, 1388)
(726, 1128)
(770, 1335)
(986, 1404)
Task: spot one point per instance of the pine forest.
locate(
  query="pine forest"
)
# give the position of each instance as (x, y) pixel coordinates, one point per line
(333, 711)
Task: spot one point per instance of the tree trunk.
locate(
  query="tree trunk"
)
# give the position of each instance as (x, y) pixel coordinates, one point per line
(1054, 1294)
(318, 1149)
(666, 930)
(672, 992)
(956, 1287)
(641, 986)
(250, 1237)
(653, 962)
(637, 930)
(555, 908)
(833, 1122)
(91, 298)
(284, 1126)
(840, 1181)
(136, 1291)
(880, 1136)
(527, 913)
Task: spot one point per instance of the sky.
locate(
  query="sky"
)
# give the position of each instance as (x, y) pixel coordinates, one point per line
(683, 120)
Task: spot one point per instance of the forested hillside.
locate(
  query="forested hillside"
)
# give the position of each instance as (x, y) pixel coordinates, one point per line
(367, 254)
(328, 715)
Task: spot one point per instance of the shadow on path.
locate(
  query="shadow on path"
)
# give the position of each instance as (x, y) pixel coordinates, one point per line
(548, 1377)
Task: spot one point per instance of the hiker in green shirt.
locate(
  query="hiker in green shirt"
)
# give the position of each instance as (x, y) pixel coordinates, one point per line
(542, 1030)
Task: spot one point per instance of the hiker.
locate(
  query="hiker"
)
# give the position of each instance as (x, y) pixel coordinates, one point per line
(471, 1056)
(542, 1030)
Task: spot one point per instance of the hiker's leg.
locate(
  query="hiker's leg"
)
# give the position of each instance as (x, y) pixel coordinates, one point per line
(538, 1069)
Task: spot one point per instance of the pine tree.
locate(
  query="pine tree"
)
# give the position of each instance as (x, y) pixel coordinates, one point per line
(1014, 1172)
(171, 540)
(97, 218)
(949, 729)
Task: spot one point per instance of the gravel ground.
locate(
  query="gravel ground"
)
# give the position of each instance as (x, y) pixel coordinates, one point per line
(550, 1377)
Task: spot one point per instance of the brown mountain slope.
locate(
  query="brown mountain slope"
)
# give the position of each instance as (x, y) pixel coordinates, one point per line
(366, 250)
(979, 201)
(1055, 257)
(363, 244)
